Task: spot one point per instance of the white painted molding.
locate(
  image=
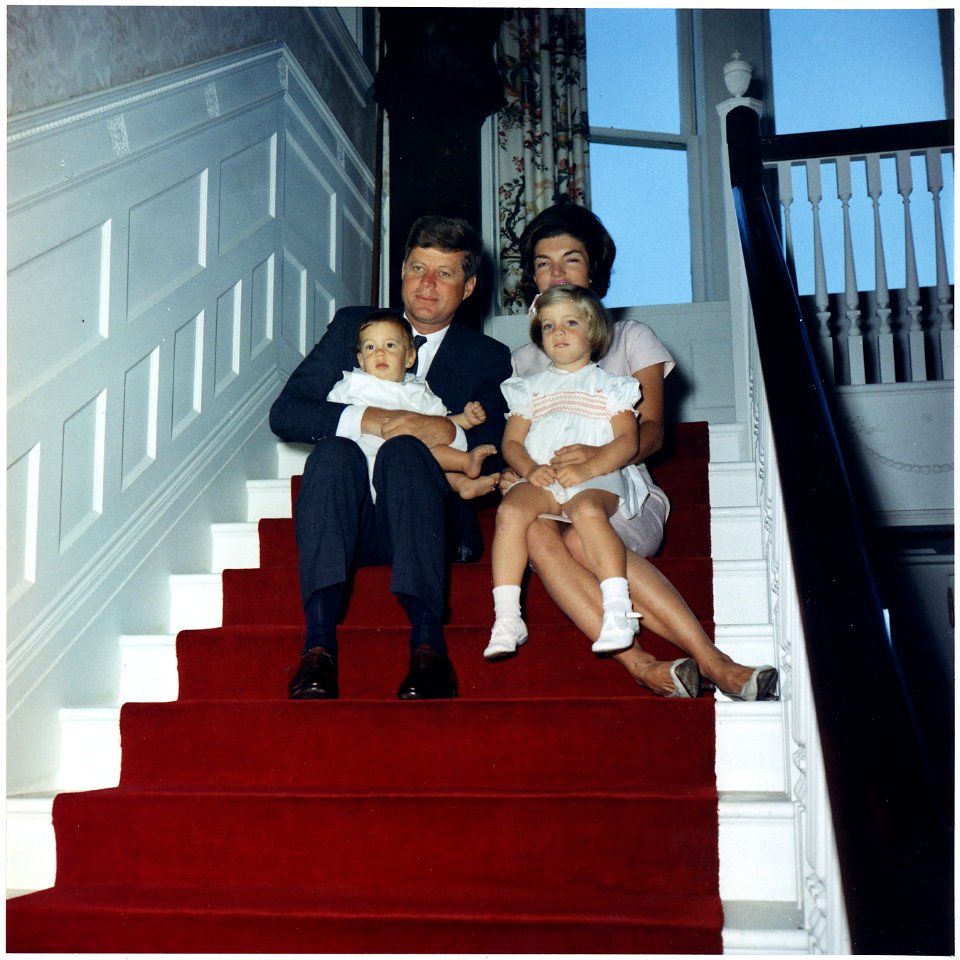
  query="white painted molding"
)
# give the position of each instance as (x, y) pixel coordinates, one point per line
(139, 528)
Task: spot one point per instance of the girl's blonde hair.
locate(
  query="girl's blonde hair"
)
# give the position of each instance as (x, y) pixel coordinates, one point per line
(599, 330)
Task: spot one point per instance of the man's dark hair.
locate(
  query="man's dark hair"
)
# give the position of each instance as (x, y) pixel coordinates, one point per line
(449, 234)
(581, 224)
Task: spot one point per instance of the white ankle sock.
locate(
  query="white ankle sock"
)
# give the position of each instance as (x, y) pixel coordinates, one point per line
(506, 601)
(616, 595)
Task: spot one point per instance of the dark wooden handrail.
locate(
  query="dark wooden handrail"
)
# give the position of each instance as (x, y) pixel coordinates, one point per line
(894, 840)
(857, 142)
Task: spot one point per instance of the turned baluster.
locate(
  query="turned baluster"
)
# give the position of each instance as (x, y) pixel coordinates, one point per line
(820, 296)
(785, 189)
(944, 307)
(885, 352)
(856, 366)
(918, 362)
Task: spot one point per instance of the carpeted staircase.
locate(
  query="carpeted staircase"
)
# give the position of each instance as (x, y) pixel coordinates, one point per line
(554, 808)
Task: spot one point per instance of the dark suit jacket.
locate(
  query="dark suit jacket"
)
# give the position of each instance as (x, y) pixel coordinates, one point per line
(468, 366)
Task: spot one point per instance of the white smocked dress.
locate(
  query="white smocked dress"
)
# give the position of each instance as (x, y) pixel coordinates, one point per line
(566, 408)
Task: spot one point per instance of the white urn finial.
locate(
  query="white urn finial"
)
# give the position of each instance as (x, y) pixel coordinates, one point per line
(737, 75)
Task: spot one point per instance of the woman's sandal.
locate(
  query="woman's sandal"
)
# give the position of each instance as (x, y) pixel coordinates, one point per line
(762, 685)
(685, 677)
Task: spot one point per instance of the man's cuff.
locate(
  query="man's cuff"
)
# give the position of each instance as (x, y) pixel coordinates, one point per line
(350, 424)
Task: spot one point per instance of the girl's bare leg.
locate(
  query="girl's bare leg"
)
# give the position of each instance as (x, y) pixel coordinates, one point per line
(517, 512)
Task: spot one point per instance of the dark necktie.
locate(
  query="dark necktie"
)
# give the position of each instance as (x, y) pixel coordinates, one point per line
(418, 341)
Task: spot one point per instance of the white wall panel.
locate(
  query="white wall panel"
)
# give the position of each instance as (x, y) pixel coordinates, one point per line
(141, 387)
(311, 202)
(324, 307)
(81, 471)
(23, 498)
(168, 234)
(227, 358)
(248, 191)
(293, 317)
(357, 257)
(57, 308)
(187, 387)
(261, 306)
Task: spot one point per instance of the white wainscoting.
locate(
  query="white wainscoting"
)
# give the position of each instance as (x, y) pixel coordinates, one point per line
(175, 246)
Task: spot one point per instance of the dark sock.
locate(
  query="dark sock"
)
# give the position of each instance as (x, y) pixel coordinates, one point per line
(321, 612)
(425, 624)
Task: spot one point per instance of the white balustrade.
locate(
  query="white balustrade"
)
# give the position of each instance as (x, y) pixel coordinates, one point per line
(874, 335)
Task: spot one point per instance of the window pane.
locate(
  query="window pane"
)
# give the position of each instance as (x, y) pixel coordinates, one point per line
(640, 194)
(834, 69)
(632, 74)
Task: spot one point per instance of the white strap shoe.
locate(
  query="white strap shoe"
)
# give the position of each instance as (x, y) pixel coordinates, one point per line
(507, 635)
(617, 632)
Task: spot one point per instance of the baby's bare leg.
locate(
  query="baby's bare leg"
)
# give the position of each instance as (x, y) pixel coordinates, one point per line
(467, 488)
(468, 462)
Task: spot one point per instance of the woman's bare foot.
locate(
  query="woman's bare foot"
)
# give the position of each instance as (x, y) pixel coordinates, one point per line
(475, 458)
(722, 670)
(470, 487)
(647, 670)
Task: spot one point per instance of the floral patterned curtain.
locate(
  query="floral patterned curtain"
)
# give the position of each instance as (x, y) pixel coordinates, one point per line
(542, 148)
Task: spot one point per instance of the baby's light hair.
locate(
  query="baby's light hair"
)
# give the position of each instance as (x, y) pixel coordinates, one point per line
(599, 331)
(386, 316)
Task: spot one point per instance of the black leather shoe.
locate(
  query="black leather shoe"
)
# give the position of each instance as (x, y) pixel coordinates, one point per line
(430, 677)
(316, 677)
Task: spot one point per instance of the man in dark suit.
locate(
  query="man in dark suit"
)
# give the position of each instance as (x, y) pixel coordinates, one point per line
(416, 522)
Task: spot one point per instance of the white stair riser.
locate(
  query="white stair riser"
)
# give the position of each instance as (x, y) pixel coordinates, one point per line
(736, 533)
(750, 748)
(290, 459)
(89, 749)
(757, 851)
(148, 669)
(268, 499)
(740, 592)
(196, 602)
(733, 485)
(235, 546)
(747, 642)
(31, 853)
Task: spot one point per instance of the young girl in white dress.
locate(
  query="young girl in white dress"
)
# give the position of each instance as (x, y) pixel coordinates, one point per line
(572, 401)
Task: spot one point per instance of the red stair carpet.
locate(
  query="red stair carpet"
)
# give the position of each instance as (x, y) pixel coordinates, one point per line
(556, 807)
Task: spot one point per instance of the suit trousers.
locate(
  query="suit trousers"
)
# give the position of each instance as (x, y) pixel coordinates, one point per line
(340, 528)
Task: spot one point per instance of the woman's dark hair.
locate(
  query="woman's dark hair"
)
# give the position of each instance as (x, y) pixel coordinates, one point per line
(579, 223)
(449, 234)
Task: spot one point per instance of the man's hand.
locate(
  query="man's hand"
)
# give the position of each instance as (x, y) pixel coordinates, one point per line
(433, 431)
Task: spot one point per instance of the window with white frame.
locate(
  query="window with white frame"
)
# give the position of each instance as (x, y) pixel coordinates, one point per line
(642, 162)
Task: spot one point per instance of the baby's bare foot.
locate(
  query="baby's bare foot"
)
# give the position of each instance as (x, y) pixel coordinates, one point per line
(471, 487)
(475, 459)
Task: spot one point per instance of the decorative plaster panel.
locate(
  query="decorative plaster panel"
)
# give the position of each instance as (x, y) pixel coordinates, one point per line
(293, 311)
(187, 374)
(141, 386)
(248, 191)
(357, 261)
(227, 362)
(57, 309)
(310, 201)
(261, 306)
(81, 489)
(168, 242)
(324, 307)
(23, 498)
